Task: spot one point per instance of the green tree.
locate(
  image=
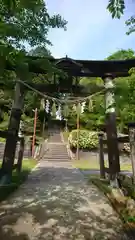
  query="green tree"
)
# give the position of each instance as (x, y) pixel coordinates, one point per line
(40, 52)
(116, 8)
(122, 55)
(24, 23)
(124, 94)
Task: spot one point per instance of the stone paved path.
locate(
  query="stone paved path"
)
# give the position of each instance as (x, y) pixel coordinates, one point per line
(57, 204)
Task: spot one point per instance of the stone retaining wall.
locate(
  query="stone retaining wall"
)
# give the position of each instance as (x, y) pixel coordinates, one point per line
(26, 150)
(94, 156)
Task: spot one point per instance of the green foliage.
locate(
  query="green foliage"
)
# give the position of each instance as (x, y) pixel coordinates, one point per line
(94, 116)
(91, 84)
(54, 110)
(116, 8)
(22, 22)
(40, 52)
(28, 124)
(32, 101)
(131, 24)
(2, 140)
(130, 219)
(65, 135)
(65, 111)
(4, 123)
(87, 139)
(122, 55)
(71, 117)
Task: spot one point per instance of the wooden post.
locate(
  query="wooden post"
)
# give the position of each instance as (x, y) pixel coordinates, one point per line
(34, 132)
(131, 127)
(111, 130)
(78, 126)
(20, 155)
(66, 128)
(43, 107)
(13, 128)
(101, 156)
(43, 130)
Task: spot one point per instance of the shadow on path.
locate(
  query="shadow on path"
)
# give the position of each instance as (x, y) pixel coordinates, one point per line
(56, 203)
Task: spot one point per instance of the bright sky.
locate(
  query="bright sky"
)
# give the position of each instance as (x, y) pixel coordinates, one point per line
(91, 32)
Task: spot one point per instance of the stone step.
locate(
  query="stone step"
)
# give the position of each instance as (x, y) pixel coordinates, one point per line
(56, 156)
(59, 143)
(56, 160)
(57, 150)
(54, 145)
(57, 147)
(57, 153)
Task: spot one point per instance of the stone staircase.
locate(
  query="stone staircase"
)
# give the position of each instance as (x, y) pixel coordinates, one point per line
(54, 136)
(57, 150)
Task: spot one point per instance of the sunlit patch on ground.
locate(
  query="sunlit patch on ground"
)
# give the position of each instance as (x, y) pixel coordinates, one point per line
(56, 203)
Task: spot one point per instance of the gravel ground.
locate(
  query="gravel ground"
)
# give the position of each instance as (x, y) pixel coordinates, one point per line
(56, 203)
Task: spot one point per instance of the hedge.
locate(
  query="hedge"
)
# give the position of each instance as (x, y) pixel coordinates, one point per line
(87, 139)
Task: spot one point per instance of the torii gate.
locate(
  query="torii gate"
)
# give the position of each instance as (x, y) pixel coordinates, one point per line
(107, 70)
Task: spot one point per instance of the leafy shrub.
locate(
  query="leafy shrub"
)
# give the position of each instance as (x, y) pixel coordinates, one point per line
(2, 140)
(87, 139)
(4, 126)
(4, 123)
(28, 124)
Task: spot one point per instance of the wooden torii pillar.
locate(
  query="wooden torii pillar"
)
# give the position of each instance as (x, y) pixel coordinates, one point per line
(13, 126)
(111, 130)
(12, 137)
